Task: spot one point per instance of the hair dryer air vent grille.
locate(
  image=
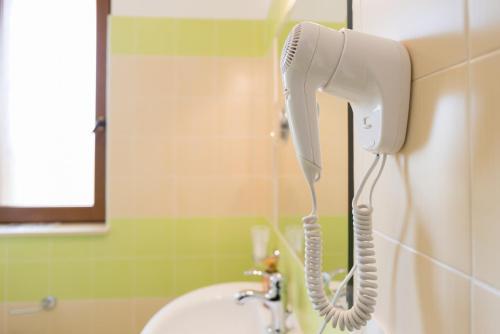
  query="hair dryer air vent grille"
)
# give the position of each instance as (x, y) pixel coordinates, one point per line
(291, 44)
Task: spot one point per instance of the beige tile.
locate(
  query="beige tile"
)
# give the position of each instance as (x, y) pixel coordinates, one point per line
(234, 116)
(234, 76)
(237, 76)
(153, 153)
(286, 159)
(485, 140)
(244, 116)
(157, 76)
(3, 318)
(262, 197)
(194, 196)
(154, 195)
(294, 197)
(241, 196)
(120, 177)
(71, 317)
(141, 97)
(145, 309)
(262, 156)
(332, 196)
(122, 111)
(140, 177)
(195, 156)
(120, 197)
(196, 116)
(484, 26)
(243, 156)
(422, 197)
(38, 323)
(154, 117)
(113, 317)
(120, 158)
(196, 76)
(485, 310)
(262, 76)
(234, 156)
(433, 31)
(123, 78)
(417, 296)
(262, 116)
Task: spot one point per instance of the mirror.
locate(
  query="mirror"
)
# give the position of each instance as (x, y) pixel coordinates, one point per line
(293, 194)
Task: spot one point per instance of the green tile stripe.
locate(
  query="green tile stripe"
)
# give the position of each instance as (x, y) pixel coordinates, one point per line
(152, 258)
(197, 37)
(189, 37)
(138, 258)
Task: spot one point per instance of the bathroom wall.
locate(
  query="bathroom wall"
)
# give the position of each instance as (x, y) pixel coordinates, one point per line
(191, 166)
(435, 206)
(189, 171)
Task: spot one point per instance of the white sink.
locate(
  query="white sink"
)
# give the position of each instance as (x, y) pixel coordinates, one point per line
(212, 310)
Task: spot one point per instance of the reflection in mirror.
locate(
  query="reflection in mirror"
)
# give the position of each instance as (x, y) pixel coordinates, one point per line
(293, 193)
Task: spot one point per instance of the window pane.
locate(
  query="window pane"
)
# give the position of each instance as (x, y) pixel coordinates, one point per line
(47, 108)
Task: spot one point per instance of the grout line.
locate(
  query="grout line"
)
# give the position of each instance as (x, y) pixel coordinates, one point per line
(487, 54)
(440, 71)
(469, 161)
(427, 257)
(486, 287)
(438, 263)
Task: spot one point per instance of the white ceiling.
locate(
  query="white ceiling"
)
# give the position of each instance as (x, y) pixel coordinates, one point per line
(320, 10)
(314, 10)
(210, 9)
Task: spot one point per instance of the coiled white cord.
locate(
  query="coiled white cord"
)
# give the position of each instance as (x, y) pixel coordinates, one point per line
(364, 303)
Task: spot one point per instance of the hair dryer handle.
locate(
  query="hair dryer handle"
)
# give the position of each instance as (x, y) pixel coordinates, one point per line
(303, 120)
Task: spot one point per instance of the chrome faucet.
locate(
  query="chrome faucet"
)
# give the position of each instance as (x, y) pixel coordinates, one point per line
(272, 299)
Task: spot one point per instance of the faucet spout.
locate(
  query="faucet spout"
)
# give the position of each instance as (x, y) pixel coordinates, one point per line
(242, 296)
(272, 299)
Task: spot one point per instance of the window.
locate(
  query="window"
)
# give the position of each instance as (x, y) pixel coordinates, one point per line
(52, 96)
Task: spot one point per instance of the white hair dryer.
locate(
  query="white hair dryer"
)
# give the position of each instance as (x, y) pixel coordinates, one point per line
(374, 75)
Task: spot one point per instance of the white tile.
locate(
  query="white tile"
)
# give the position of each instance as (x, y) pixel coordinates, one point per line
(485, 155)
(433, 31)
(422, 197)
(485, 310)
(484, 22)
(418, 296)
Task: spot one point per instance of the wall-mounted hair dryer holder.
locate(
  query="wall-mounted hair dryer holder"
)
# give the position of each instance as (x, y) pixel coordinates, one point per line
(374, 75)
(370, 72)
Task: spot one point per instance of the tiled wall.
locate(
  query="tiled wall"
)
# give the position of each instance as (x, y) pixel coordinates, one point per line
(435, 206)
(189, 158)
(190, 171)
(115, 282)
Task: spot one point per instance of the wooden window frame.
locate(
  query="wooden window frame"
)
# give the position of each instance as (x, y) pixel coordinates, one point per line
(96, 213)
